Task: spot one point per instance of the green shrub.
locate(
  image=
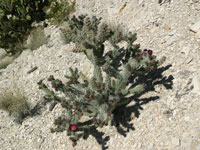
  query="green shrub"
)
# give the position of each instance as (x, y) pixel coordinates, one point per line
(98, 96)
(57, 11)
(16, 17)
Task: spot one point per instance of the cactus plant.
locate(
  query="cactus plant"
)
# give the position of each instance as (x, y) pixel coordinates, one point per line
(97, 97)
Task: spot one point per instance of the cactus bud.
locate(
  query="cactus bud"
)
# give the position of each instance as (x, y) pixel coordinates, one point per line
(43, 85)
(40, 82)
(67, 89)
(150, 57)
(68, 134)
(144, 85)
(52, 130)
(150, 52)
(108, 113)
(92, 96)
(51, 78)
(74, 144)
(63, 104)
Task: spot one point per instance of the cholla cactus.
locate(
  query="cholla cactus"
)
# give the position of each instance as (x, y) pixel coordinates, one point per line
(98, 96)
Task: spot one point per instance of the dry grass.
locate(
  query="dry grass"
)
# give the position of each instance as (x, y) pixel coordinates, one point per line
(5, 61)
(14, 102)
(36, 38)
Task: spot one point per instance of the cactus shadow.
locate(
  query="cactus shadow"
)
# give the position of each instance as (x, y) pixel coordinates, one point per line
(98, 135)
(123, 115)
(36, 110)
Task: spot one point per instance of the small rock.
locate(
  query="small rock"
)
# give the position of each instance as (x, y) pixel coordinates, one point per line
(195, 144)
(168, 113)
(171, 33)
(171, 41)
(166, 27)
(187, 118)
(94, 10)
(196, 84)
(198, 34)
(185, 50)
(150, 146)
(196, 27)
(175, 141)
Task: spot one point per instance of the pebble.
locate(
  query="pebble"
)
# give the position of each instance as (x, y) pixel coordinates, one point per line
(175, 141)
(196, 84)
(171, 33)
(195, 27)
(152, 23)
(185, 50)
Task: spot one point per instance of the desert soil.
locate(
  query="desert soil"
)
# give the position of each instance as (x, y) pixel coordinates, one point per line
(166, 118)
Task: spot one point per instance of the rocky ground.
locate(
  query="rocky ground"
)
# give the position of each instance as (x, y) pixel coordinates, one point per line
(167, 118)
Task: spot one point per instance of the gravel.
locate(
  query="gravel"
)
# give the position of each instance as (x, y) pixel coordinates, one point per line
(166, 118)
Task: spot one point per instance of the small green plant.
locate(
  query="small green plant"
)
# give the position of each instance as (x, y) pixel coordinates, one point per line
(16, 17)
(13, 102)
(97, 97)
(57, 11)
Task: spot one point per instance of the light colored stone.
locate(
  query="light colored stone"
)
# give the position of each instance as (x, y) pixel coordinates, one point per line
(198, 34)
(175, 141)
(166, 27)
(196, 84)
(195, 27)
(195, 144)
(150, 125)
(171, 33)
(185, 50)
